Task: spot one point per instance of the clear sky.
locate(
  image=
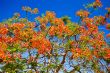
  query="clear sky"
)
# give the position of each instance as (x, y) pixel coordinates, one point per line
(60, 7)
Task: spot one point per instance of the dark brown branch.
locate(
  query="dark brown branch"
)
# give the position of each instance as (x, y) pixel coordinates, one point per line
(63, 61)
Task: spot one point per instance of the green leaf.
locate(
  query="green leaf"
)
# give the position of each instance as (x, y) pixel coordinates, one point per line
(52, 66)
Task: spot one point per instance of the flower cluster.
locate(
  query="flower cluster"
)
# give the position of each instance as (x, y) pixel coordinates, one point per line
(82, 13)
(79, 53)
(41, 43)
(99, 20)
(28, 9)
(97, 3)
(108, 26)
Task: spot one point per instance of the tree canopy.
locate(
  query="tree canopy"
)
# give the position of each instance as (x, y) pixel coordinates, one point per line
(53, 45)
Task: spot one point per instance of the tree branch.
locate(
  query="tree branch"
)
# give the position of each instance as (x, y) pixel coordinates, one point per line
(63, 61)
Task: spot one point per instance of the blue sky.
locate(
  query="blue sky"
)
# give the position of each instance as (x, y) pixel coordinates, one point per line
(60, 7)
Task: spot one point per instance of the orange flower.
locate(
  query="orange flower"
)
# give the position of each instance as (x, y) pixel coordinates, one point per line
(26, 8)
(77, 52)
(35, 44)
(16, 32)
(34, 11)
(99, 20)
(52, 31)
(42, 44)
(87, 20)
(108, 26)
(82, 13)
(2, 54)
(60, 29)
(97, 0)
(25, 45)
(108, 35)
(68, 31)
(3, 30)
(9, 40)
(43, 26)
(58, 21)
(18, 25)
(87, 53)
(107, 15)
(97, 3)
(31, 24)
(95, 53)
(92, 28)
(108, 9)
(72, 43)
(107, 55)
(45, 46)
(82, 29)
(50, 15)
(42, 20)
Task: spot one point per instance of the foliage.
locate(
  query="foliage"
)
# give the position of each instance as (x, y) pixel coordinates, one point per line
(54, 44)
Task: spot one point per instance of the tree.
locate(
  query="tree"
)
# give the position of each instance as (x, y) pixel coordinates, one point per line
(55, 44)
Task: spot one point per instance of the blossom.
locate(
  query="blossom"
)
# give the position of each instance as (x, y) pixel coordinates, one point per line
(52, 31)
(3, 30)
(82, 13)
(107, 53)
(77, 52)
(50, 15)
(42, 44)
(18, 26)
(34, 11)
(97, 0)
(108, 26)
(42, 20)
(97, 3)
(87, 20)
(99, 20)
(108, 9)
(26, 8)
(108, 35)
